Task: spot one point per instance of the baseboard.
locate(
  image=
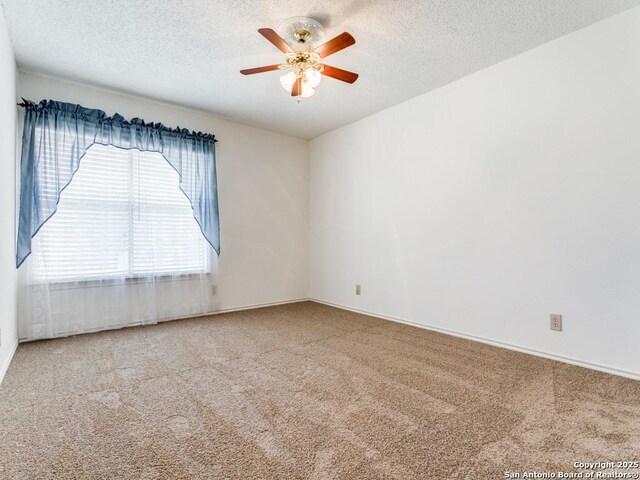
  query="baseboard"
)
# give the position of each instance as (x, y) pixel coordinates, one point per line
(257, 305)
(5, 366)
(238, 309)
(495, 343)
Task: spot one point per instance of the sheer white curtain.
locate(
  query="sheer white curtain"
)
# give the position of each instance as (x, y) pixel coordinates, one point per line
(122, 249)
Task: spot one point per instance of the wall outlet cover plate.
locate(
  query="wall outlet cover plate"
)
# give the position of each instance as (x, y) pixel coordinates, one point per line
(556, 322)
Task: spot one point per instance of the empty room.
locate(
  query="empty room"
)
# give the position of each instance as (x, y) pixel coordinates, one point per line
(349, 239)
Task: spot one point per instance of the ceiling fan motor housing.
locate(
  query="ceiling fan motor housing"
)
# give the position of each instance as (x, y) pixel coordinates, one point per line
(300, 61)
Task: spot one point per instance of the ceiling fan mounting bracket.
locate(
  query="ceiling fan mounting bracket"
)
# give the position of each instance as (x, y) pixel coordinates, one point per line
(301, 31)
(302, 35)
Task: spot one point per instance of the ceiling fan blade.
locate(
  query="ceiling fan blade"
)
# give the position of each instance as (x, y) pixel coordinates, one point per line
(276, 39)
(268, 68)
(334, 45)
(339, 74)
(296, 90)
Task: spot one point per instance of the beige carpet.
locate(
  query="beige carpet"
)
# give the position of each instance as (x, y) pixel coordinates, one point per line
(302, 391)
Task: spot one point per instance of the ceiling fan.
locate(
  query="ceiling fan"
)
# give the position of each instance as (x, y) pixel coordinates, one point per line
(305, 61)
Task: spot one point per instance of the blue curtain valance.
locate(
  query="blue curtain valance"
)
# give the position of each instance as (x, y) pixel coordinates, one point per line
(56, 136)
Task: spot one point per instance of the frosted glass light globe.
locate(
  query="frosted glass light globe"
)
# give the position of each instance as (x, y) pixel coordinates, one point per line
(313, 76)
(288, 80)
(307, 90)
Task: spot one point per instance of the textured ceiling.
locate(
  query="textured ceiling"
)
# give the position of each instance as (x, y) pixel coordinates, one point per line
(189, 52)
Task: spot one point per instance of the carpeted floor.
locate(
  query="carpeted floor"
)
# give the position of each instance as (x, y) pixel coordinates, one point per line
(302, 391)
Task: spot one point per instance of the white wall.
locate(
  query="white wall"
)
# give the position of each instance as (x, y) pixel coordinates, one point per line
(485, 205)
(8, 330)
(262, 188)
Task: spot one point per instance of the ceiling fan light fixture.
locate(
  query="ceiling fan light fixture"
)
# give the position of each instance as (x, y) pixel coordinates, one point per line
(288, 80)
(312, 76)
(307, 90)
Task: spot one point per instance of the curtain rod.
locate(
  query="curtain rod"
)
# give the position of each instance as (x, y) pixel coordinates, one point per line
(138, 121)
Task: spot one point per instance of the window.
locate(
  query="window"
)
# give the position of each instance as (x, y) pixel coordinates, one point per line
(122, 215)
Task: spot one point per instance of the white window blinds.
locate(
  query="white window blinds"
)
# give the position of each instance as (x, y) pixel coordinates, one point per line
(123, 214)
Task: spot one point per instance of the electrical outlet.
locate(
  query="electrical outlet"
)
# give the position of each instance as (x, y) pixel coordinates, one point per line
(358, 289)
(214, 290)
(556, 322)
